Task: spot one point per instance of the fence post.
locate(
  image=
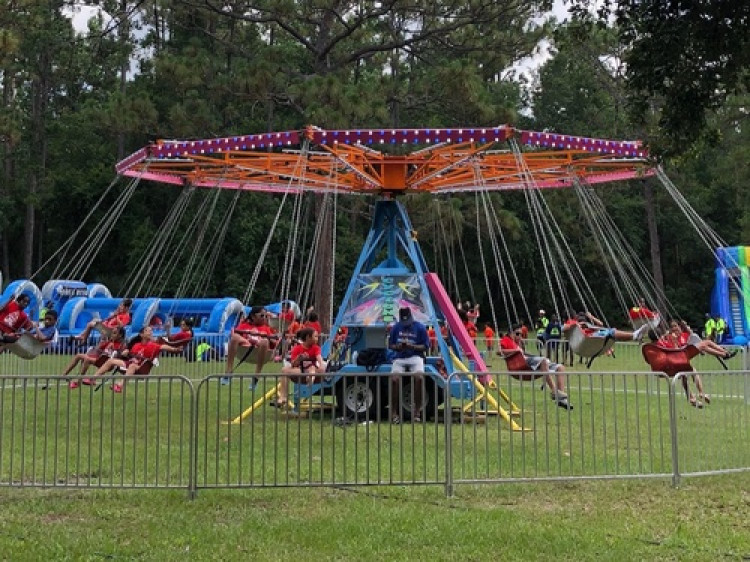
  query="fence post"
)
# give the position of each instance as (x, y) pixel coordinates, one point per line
(193, 448)
(448, 423)
(673, 430)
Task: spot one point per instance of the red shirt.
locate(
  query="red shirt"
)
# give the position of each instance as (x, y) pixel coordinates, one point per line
(13, 318)
(488, 335)
(315, 325)
(117, 320)
(507, 343)
(669, 341)
(641, 313)
(180, 338)
(472, 329)
(145, 351)
(288, 316)
(253, 331)
(524, 332)
(312, 353)
(107, 347)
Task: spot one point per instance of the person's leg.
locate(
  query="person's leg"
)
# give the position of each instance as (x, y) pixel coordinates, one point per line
(699, 386)
(262, 351)
(84, 336)
(234, 342)
(73, 362)
(283, 395)
(396, 387)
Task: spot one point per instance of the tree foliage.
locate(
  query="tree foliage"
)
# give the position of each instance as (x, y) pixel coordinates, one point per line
(75, 101)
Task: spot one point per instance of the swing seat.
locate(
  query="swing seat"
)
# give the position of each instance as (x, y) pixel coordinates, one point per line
(518, 367)
(669, 361)
(144, 369)
(588, 346)
(26, 347)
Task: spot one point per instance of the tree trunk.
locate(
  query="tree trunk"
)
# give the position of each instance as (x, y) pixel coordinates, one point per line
(324, 266)
(655, 245)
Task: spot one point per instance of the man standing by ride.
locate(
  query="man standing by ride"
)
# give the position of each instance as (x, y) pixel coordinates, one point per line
(409, 340)
(541, 327)
(721, 328)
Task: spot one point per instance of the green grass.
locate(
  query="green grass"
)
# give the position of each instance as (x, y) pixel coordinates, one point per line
(705, 519)
(620, 426)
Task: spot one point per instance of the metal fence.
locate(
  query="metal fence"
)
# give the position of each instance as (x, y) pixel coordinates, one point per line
(166, 432)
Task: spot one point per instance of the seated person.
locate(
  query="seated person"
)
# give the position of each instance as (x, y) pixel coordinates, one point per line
(592, 326)
(14, 320)
(256, 336)
(410, 342)
(181, 338)
(46, 331)
(119, 318)
(679, 336)
(108, 348)
(304, 363)
(313, 322)
(142, 349)
(640, 314)
(513, 342)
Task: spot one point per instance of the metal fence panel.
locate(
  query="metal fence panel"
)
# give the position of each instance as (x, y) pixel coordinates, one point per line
(52, 435)
(243, 442)
(714, 435)
(619, 426)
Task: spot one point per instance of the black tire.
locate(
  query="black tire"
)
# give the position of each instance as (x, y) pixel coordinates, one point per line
(362, 397)
(432, 397)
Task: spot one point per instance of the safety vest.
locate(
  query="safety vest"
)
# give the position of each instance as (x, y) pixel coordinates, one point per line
(555, 332)
(542, 326)
(710, 327)
(721, 326)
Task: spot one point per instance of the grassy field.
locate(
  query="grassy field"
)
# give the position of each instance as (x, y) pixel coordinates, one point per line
(705, 519)
(620, 426)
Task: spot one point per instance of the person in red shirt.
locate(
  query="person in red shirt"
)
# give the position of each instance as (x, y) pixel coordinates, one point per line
(13, 319)
(640, 314)
(257, 337)
(489, 337)
(512, 342)
(433, 340)
(304, 363)
(141, 352)
(680, 335)
(312, 322)
(118, 319)
(97, 356)
(181, 338)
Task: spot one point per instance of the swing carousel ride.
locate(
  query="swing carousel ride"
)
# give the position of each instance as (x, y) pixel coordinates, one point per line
(391, 271)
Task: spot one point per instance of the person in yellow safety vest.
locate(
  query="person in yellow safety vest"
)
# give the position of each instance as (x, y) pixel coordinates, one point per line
(721, 328)
(709, 328)
(541, 327)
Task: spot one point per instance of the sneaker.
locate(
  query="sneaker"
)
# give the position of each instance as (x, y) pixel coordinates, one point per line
(395, 420)
(416, 419)
(731, 354)
(73, 384)
(88, 382)
(117, 389)
(225, 380)
(564, 404)
(640, 332)
(253, 384)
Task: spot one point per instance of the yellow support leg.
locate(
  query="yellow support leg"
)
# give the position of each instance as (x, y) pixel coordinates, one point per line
(483, 395)
(257, 404)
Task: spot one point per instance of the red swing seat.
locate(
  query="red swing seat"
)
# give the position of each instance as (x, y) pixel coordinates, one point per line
(516, 363)
(669, 361)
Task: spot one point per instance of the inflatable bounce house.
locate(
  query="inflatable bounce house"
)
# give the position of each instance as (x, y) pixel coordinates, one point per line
(77, 303)
(730, 297)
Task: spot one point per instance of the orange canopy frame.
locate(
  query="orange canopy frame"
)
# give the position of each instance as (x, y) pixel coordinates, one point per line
(389, 161)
